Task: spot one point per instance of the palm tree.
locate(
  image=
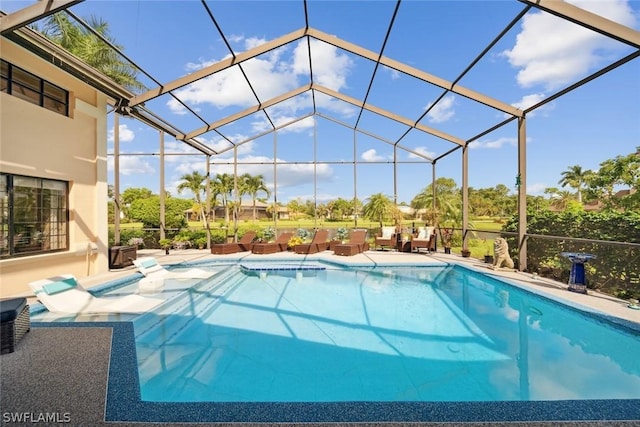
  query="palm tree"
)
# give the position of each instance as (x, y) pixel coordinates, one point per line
(447, 201)
(575, 178)
(82, 43)
(223, 186)
(378, 208)
(194, 182)
(252, 185)
(561, 199)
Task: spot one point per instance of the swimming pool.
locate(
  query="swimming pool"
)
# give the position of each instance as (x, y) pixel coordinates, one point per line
(398, 339)
(401, 334)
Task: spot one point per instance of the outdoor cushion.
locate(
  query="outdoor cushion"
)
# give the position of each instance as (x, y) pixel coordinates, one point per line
(148, 263)
(60, 286)
(387, 232)
(422, 233)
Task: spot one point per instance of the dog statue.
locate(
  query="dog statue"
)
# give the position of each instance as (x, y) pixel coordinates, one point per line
(501, 256)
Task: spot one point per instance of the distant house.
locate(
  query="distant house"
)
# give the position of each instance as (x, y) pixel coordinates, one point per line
(246, 212)
(598, 205)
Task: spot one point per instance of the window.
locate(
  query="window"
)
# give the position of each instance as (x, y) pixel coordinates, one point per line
(34, 218)
(18, 82)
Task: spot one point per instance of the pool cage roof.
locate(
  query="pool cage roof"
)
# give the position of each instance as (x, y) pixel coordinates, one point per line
(309, 32)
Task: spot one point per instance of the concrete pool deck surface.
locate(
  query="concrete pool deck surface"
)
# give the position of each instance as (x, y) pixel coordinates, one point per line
(63, 372)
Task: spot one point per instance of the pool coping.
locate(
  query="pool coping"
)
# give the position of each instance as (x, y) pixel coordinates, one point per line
(124, 403)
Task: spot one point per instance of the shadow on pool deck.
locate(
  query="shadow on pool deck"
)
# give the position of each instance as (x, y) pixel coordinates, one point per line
(60, 373)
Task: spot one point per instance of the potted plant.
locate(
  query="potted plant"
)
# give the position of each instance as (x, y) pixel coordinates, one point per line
(488, 257)
(295, 240)
(138, 242)
(166, 245)
(201, 242)
(304, 234)
(181, 242)
(446, 234)
(466, 253)
(342, 234)
(267, 234)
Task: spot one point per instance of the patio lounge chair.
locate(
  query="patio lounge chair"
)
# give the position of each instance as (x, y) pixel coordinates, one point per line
(243, 245)
(319, 243)
(357, 244)
(149, 267)
(388, 237)
(280, 245)
(426, 238)
(63, 294)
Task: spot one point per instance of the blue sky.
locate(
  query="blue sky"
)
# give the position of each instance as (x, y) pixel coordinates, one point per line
(539, 56)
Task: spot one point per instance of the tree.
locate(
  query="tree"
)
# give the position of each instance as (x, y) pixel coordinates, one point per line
(622, 171)
(223, 187)
(295, 208)
(195, 182)
(147, 211)
(561, 199)
(128, 196)
(378, 208)
(575, 178)
(89, 48)
(339, 208)
(447, 203)
(253, 185)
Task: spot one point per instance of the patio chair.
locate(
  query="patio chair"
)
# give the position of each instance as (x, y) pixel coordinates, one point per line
(319, 243)
(63, 294)
(149, 267)
(387, 239)
(357, 244)
(243, 245)
(280, 245)
(426, 238)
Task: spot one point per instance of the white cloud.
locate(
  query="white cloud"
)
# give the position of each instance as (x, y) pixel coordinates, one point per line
(552, 52)
(423, 151)
(330, 67)
(394, 74)
(496, 143)
(371, 155)
(271, 74)
(532, 99)
(124, 134)
(288, 175)
(536, 189)
(443, 110)
(131, 165)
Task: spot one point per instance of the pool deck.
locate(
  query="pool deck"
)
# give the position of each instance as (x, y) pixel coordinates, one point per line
(46, 362)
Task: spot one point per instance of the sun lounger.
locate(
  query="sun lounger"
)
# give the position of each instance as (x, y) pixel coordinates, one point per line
(243, 245)
(280, 245)
(63, 294)
(319, 243)
(149, 267)
(357, 244)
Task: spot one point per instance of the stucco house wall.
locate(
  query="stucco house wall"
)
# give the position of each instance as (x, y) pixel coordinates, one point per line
(40, 143)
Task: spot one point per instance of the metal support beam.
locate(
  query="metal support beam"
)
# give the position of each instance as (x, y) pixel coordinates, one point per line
(592, 21)
(163, 193)
(521, 183)
(116, 179)
(465, 195)
(33, 13)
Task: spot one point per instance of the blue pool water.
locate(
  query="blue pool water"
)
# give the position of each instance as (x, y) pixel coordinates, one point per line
(388, 334)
